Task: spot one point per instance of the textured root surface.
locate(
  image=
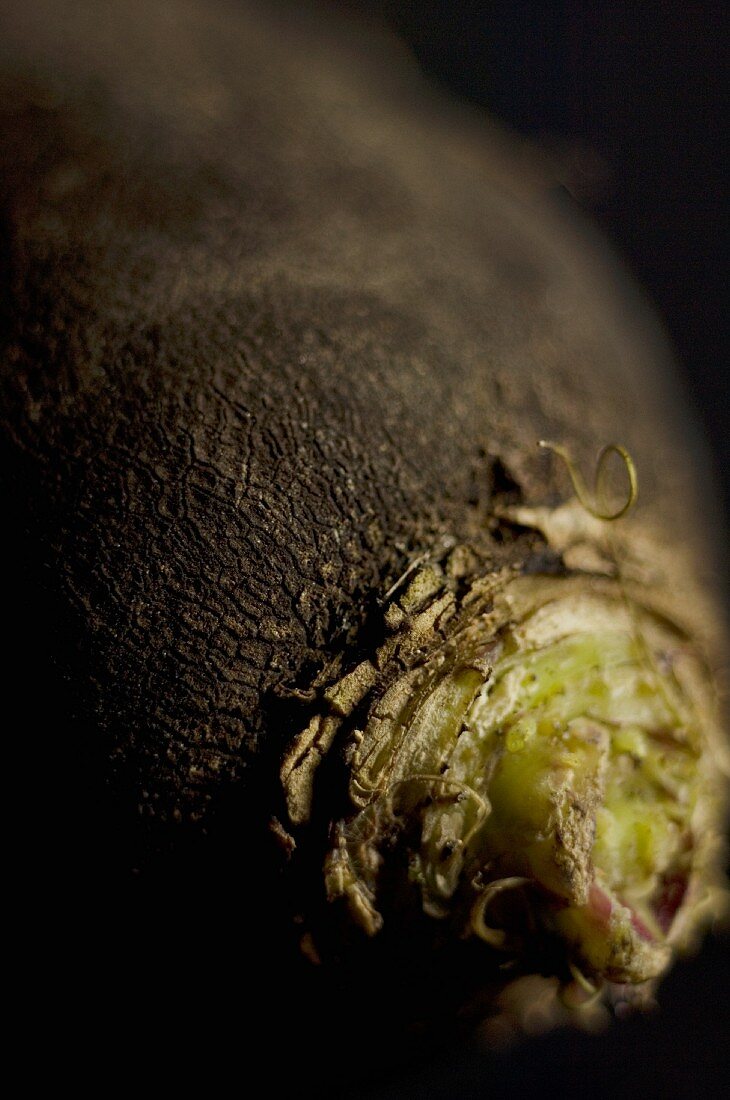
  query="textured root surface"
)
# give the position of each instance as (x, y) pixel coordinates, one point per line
(277, 320)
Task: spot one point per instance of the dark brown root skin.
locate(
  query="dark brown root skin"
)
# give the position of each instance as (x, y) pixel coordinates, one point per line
(268, 340)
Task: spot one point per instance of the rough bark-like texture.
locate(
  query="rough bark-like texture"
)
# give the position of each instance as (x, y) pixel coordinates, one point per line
(278, 319)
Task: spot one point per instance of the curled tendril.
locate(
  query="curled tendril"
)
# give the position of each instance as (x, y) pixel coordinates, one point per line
(483, 806)
(586, 985)
(595, 507)
(389, 795)
(594, 992)
(386, 801)
(495, 937)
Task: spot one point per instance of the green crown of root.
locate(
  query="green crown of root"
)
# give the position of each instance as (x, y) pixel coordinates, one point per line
(531, 756)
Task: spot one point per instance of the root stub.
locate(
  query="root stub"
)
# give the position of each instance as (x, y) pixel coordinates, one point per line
(542, 778)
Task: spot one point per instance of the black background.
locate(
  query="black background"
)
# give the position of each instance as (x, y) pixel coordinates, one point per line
(628, 101)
